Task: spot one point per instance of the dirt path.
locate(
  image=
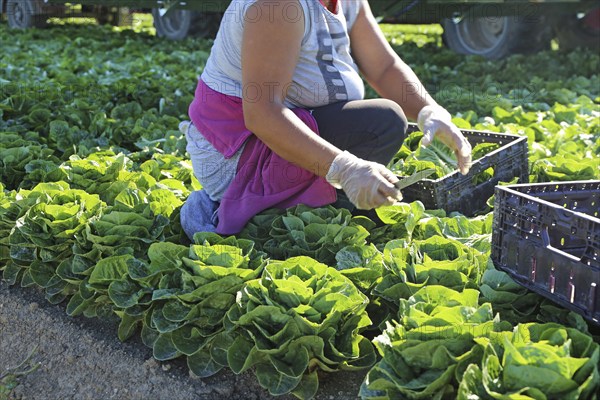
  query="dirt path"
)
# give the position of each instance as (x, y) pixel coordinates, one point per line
(82, 358)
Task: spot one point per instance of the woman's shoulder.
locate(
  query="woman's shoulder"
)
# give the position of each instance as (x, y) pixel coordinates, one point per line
(252, 10)
(351, 8)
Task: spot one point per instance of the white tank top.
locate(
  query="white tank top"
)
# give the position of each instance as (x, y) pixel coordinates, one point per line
(325, 73)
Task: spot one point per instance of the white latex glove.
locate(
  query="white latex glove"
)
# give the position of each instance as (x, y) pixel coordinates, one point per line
(435, 121)
(367, 184)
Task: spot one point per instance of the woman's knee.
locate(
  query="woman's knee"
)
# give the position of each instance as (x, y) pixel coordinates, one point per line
(393, 121)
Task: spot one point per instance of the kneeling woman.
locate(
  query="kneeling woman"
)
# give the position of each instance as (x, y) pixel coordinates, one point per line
(279, 118)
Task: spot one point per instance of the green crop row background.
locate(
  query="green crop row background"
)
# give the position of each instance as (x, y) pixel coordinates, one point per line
(93, 173)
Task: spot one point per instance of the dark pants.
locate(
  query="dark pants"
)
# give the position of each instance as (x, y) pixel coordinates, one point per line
(371, 129)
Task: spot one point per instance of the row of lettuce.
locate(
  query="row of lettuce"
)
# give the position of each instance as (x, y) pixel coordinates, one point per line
(93, 172)
(564, 144)
(297, 292)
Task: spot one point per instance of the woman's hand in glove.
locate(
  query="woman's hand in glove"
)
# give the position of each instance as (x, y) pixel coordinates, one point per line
(367, 184)
(435, 121)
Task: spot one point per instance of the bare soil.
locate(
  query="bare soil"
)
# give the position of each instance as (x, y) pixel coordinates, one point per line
(82, 358)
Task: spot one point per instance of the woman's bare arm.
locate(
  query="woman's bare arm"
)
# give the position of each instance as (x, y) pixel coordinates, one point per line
(391, 77)
(270, 50)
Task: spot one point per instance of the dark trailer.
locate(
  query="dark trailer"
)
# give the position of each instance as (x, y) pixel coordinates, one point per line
(490, 28)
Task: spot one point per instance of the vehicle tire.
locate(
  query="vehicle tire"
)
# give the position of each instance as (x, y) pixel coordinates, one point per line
(21, 15)
(496, 37)
(578, 30)
(179, 24)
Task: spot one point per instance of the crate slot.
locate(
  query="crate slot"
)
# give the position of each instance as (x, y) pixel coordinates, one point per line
(593, 297)
(533, 269)
(571, 288)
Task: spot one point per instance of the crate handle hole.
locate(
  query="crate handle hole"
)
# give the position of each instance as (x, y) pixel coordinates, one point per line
(545, 236)
(483, 176)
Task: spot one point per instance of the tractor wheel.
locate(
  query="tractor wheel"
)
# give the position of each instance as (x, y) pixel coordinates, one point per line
(179, 24)
(21, 15)
(496, 37)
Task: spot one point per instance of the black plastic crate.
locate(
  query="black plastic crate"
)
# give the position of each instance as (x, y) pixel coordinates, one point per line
(457, 192)
(546, 236)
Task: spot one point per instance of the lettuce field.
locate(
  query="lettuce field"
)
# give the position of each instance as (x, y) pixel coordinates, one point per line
(93, 172)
